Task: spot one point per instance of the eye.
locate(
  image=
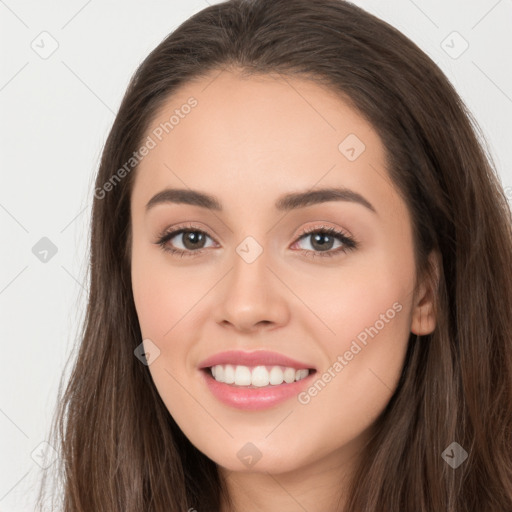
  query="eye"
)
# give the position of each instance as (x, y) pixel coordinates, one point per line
(322, 240)
(191, 239)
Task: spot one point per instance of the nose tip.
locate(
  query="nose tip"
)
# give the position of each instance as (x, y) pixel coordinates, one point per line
(251, 297)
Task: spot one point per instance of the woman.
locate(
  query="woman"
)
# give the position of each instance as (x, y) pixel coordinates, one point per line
(300, 292)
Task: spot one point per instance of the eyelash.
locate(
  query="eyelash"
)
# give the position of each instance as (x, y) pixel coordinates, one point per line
(349, 243)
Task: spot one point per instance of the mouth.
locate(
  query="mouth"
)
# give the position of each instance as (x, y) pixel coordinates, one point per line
(253, 388)
(256, 377)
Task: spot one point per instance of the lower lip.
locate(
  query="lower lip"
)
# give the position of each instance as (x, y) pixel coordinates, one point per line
(253, 399)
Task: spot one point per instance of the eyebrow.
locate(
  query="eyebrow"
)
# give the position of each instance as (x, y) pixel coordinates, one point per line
(286, 202)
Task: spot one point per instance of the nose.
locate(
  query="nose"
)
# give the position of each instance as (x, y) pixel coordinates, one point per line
(252, 297)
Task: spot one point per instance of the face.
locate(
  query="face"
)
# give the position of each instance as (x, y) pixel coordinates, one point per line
(326, 280)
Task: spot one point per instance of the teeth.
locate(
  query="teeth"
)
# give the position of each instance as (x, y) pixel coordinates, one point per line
(258, 376)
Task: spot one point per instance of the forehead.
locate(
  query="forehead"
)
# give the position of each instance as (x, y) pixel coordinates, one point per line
(259, 135)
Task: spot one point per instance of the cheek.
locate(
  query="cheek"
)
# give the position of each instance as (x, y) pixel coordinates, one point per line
(368, 314)
(152, 302)
(163, 298)
(162, 294)
(365, 308)
(166, 299)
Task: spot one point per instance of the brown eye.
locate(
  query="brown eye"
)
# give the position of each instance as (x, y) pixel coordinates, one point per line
(193, 239)
(184, 241)
(322, 241)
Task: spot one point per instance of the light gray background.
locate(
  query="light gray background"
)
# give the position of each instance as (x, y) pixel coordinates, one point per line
(56, 113)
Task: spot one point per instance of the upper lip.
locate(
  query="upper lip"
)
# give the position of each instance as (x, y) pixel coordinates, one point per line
(256, 358)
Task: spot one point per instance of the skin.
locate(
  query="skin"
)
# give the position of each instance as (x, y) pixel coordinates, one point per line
(248, 141)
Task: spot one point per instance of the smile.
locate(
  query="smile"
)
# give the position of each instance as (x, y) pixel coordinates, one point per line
(257, 376)
(249, 397)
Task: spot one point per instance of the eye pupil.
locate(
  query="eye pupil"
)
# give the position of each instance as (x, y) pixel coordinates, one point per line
(319, 239)
(192, 237)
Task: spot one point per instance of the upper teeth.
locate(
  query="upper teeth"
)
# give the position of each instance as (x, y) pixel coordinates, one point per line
(257, 376)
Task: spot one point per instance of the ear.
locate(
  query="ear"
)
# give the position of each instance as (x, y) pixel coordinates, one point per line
(423, 319)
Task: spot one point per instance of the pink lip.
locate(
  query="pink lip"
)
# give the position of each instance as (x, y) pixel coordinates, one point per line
(256, 358)
(252, 399)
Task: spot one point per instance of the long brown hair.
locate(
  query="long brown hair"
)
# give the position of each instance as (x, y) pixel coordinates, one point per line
(120, 448)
